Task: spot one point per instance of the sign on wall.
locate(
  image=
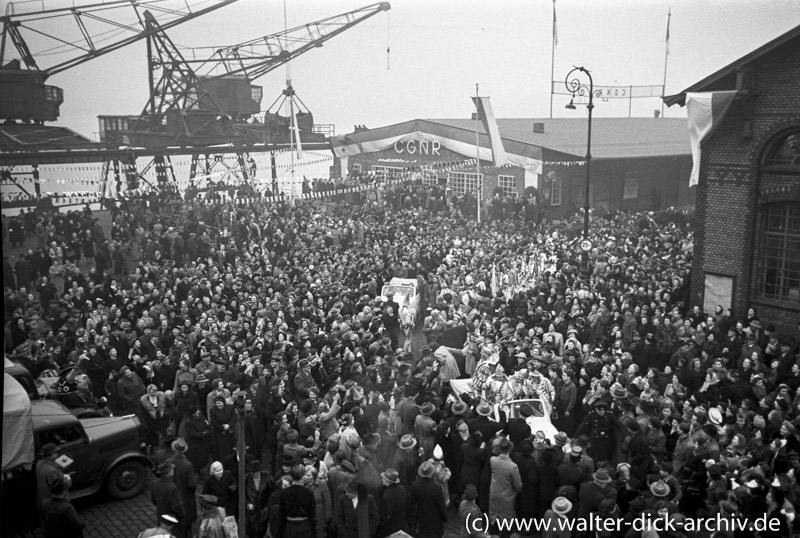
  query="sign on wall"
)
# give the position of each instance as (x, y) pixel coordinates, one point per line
(718, 292)
(631, 190)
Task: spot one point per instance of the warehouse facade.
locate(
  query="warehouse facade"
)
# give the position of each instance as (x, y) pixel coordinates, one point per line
(747, 235)
(637, 163)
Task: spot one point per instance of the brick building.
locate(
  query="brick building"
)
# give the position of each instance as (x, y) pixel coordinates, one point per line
(637, 163)
(747, 236)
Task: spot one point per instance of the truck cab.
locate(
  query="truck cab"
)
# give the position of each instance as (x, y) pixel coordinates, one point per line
(96, 453)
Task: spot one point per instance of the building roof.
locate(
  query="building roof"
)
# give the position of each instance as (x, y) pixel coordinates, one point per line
(612, 138)
(28, 137)
(725, 78)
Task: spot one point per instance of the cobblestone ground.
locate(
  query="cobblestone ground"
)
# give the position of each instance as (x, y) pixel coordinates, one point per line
(107, 518)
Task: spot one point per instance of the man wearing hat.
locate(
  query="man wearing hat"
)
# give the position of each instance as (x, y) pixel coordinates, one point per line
(393, 505)
(425, 429)
(303, 380)
(482, 423)
(427, 512)
(505, 485)
(59, 516)
(166, 497)
(592, 493)
(405, 460)
(49, 473)
(518, 428)
(184, 478)
(166, 524)
(560, 508)
(461, 411)
(570, 472)
(354, 511)
(257, 488)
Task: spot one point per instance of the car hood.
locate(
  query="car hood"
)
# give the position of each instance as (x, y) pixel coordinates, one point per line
(543, 425)
(98, 428)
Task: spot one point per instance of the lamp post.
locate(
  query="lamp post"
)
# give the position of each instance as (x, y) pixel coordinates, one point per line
(577, 86)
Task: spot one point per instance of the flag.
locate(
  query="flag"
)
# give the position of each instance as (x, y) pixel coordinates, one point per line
(669, 16)
(705, 111)
(495, 287)
(486, 116)
(296, 129)
(555, 26)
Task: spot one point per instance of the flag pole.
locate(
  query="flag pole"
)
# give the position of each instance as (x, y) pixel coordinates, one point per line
(553, 58)
(478, 148)
(666, 57)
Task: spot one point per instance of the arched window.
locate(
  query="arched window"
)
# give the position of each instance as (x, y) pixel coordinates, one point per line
(780, 272)
(785, 154)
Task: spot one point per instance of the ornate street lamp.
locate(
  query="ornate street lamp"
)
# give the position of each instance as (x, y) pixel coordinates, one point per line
(577, 87)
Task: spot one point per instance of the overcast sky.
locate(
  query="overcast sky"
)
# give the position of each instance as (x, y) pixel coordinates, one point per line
(441, 48)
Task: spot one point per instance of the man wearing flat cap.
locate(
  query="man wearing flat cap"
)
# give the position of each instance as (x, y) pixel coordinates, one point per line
(166, 497)
(49, 473)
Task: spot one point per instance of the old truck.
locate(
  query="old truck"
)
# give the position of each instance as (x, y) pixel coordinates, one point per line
(97, 453)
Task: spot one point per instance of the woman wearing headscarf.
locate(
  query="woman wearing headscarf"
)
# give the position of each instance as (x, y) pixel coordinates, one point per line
(222, 418)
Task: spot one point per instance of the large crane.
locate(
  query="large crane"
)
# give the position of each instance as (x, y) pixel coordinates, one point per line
(68, 38)
(201, 99)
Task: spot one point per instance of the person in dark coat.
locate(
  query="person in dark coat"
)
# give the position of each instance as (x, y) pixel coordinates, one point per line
(393, 505)
(405, 459)
(472, 460)
(258, 487)
(253, 430)
(187, 485)
(184, 400)
(60, 518)
(223, 420)
(528, 497)
(197, 436)
(483, 424)
(427, 513)
(571, 473)
(518, 428)
(24, 272)
(165, 495)
(297, 511)
(222, 485)
(359, 521)
(547, 475)
(605, 431)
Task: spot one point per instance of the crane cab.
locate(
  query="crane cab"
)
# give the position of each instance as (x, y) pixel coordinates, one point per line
(26, 97)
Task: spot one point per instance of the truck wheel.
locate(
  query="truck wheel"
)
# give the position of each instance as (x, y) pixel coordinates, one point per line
(127, 480)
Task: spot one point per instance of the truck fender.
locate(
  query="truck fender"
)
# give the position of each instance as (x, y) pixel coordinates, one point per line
(131, 456)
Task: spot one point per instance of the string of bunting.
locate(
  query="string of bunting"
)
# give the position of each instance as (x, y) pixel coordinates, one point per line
(270, 198)
(452, 165)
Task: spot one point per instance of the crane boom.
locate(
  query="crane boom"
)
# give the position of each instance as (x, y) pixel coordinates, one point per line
(87, 31)
(257, 57)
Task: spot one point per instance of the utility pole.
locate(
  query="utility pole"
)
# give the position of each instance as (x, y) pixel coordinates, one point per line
(241, 451)
(478, 149)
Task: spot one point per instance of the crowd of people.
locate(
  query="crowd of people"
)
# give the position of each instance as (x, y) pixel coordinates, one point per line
(269, 319)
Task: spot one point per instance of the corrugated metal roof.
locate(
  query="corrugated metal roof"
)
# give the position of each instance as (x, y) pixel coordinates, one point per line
(612, 138)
